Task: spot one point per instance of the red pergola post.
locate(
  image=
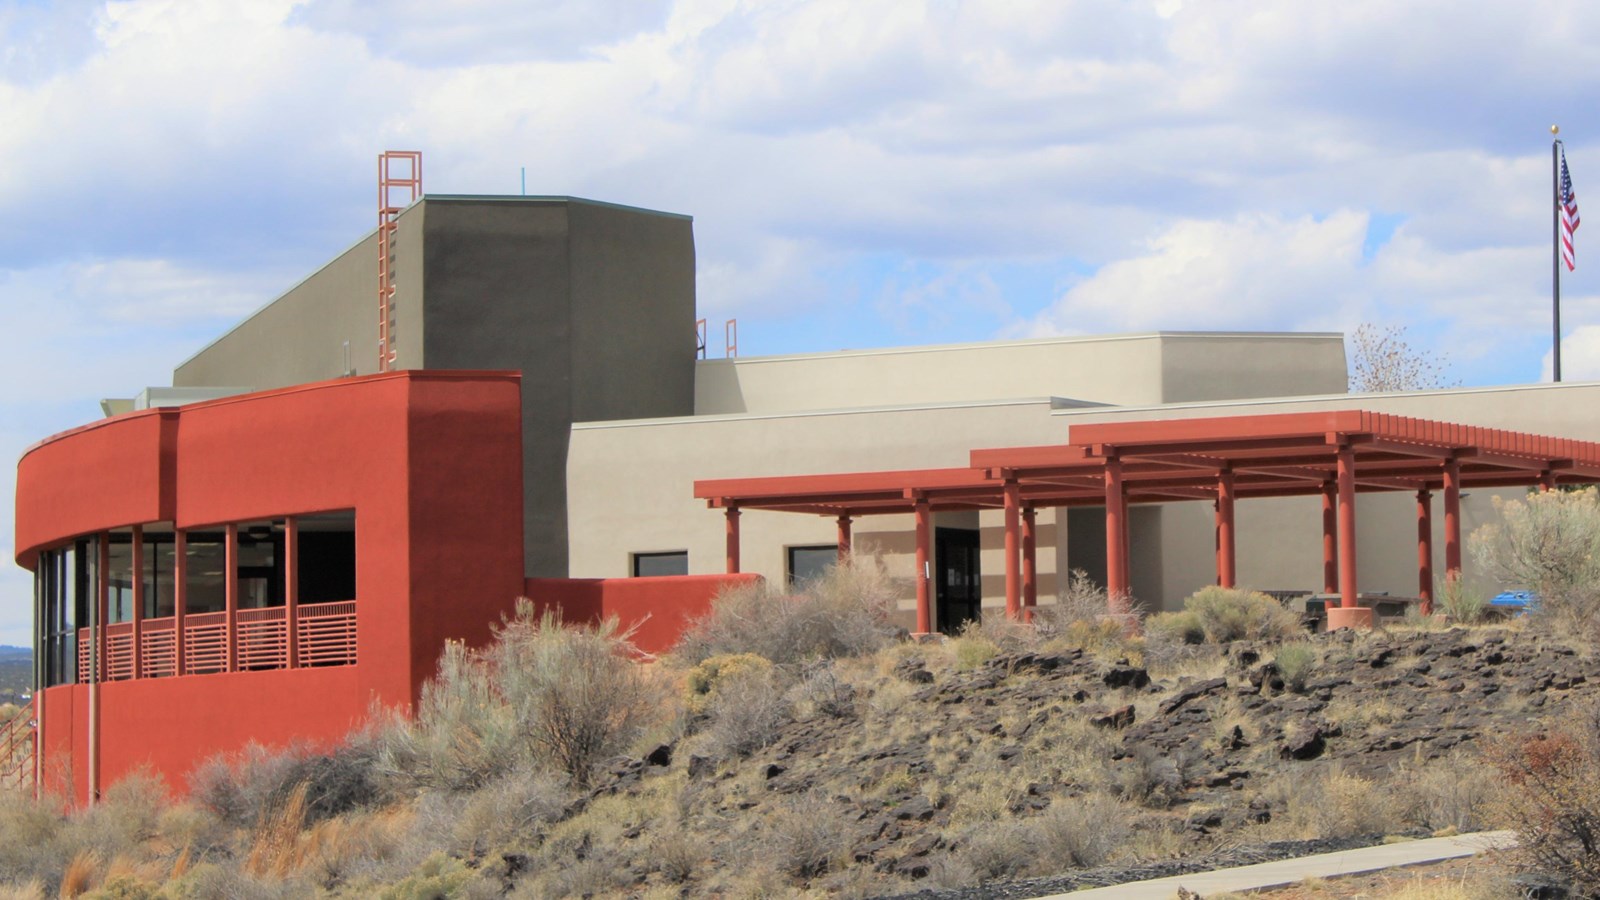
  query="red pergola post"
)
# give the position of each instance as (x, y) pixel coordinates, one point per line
(1347, 526)
(1030, 564)
(1425, 550)
(1012, 493)
(1330, 538)
(1452, 519)
(731, 531)
(1547, 480)
(844, 537)
(924, 539)
(1116, 539)
(1226, 572)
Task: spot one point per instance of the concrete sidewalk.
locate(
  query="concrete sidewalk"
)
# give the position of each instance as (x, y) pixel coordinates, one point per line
(1292, 871)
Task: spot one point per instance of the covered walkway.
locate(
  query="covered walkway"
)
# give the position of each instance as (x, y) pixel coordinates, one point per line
(1334, 455)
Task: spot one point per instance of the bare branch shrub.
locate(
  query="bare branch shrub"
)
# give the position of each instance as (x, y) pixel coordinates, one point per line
(746, 708)
(1456, 792)
(1549, 543)
(510, 808)
(1552, 798)
(843, 613)
(1082, 831)
(804, 836)
(1381, 360)
(1081, 600)
(821, 692)
(575, 695)
(543, 692)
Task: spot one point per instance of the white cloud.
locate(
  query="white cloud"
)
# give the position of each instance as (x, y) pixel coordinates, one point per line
(1580, 356)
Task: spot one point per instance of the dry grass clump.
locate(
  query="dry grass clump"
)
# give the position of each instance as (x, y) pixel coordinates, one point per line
(1333, 803)
(843, 613)
(1225, 615)
(1464, 603)
(1295, 663)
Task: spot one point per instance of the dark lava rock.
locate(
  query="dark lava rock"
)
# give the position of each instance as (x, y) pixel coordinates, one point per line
(1308, 744)
(660, 756)
(774, 770)
(1125, 676)
(701, 766)
(1118, 718)
(917, 808)
(913, 670)
(1200, 689)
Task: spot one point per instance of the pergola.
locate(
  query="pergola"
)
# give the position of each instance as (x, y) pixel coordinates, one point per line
(1336, 455)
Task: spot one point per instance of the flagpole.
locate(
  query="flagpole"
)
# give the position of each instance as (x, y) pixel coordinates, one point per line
(1555, 252)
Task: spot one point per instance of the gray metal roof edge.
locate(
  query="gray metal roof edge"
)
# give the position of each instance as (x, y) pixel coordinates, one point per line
(1049, 402)
(1024, 342)
(552, 199)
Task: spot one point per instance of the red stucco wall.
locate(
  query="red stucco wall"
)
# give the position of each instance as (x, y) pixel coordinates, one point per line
(430, 461)
(657, 608)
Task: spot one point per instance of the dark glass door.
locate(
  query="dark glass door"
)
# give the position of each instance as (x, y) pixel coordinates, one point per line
(957, 592)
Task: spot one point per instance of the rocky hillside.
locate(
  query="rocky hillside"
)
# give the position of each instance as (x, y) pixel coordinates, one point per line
(1225, 760)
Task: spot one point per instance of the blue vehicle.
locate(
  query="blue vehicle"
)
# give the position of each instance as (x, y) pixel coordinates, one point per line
(1514, 603)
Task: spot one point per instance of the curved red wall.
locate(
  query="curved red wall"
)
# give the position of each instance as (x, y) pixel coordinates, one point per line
(430, 461)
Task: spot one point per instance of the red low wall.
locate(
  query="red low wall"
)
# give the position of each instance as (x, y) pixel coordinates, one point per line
(168, 725)
(657, 608)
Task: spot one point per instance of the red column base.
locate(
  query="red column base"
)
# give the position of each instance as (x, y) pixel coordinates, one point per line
(1357, 617)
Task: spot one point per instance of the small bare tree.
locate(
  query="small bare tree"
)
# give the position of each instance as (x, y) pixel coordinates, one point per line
(1381, 360)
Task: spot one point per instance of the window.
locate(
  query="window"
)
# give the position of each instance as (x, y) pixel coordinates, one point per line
(650, 565)
(260, 565)
(810, 563)
(206, 553)
(327, 564)
(160, 564)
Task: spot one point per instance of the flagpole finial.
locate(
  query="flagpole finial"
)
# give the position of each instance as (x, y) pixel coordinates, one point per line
(1555, 129)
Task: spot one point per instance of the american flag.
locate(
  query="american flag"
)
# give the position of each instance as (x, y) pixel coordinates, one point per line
(1569, 214)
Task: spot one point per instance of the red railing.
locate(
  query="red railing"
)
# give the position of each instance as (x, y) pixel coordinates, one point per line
(158, 639)
(16, 749)
(205, 643)
(326, 634)
(263, 638)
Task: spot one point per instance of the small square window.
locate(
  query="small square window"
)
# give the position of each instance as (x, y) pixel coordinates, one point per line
(810, 563)
(651, 565)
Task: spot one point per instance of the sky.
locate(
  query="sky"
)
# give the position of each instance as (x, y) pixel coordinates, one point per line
(861, 172)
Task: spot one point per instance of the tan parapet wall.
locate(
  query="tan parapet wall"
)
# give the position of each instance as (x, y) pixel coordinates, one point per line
(1158, 367)
(631, 490)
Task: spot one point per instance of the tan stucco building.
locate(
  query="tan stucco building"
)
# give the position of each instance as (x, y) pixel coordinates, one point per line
(594, 305)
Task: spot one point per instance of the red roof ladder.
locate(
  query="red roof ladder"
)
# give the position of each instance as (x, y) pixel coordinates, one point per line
(394, 182)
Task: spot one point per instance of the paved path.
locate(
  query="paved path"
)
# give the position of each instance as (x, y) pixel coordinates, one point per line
(1293, 871)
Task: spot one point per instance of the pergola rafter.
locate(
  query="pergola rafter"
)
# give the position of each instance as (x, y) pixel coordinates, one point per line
(1222, 459)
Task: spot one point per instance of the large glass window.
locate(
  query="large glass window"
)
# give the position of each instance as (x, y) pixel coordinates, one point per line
(65, 585)
(119, 576)
(205, 562)
(327, 556)
(648, 565)
(260, 565)
(160, 570)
